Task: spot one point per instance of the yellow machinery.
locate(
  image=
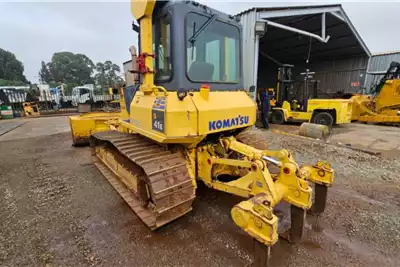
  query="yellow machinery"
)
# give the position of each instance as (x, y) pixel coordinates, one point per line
(195, 125)
(83, 125)
(319, 111)
(383, 106)
(272, 101)
(31, 109)
(314, 110)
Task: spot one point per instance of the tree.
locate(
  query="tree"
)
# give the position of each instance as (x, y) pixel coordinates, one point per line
(4, 82)
(107, 75)
(67, 68)
(11, 69)
(44, 73)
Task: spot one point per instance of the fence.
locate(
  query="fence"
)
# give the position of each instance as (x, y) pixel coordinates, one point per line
(56, 102)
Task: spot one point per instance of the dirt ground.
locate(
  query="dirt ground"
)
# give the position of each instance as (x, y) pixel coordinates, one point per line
(57, 210)
(33, 127)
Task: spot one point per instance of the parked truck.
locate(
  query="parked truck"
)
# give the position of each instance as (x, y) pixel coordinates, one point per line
(55, 97)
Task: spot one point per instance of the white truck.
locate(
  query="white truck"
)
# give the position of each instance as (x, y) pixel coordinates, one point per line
(79, 95)
(85, 94)
(55, 97)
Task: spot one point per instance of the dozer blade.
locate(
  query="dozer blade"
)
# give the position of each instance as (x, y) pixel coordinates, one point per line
(152, 180)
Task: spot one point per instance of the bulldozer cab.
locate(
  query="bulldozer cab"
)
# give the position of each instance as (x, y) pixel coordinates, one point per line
(194, 45)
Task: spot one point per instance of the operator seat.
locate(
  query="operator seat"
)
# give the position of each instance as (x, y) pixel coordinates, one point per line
(201, 71)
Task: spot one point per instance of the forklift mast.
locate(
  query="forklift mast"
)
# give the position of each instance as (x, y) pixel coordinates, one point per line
(285, 83)
(286, 86)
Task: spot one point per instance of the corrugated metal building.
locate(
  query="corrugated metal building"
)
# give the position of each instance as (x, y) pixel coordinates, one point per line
(129, 77)
(127, 66)
(296, 34)
(377, 64)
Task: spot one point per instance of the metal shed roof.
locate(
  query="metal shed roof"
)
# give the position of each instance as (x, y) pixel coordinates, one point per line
(258, 9)
(386, 53)
(290, 47)
(344, 42)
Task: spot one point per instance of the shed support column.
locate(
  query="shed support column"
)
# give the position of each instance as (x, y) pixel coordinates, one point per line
(255, 67)
(323, 27)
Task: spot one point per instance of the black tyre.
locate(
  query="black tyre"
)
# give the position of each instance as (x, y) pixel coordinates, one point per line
(323, 118)
(277, 117)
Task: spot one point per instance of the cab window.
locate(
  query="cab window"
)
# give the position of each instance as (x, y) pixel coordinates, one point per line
(212, 52)
(162, 47)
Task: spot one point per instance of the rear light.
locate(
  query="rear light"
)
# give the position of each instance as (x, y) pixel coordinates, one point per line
(206, 86)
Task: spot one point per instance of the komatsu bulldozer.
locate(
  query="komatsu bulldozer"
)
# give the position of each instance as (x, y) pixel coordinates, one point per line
(190, 119)
(383, 105)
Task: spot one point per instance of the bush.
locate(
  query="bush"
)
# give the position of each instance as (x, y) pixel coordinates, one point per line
(4, 82)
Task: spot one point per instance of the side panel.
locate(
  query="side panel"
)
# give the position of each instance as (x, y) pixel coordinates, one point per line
(389, 95)
(299, 116)
(162, 117)
(342, 108)
(167, 119)
(344, 112)
(224, 111)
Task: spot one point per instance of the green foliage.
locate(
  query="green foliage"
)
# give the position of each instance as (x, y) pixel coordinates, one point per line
(68, 88)
(67, 68)
(107, 75)
(99, 91)
(77, 69)
(11, 68)
(44, 73)
(4, 82)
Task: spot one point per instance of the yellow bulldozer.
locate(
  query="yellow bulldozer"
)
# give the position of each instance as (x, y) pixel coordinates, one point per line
(383, 105)
(189, 120)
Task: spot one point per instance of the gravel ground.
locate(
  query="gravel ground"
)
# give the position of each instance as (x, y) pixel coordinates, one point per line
(57, 210)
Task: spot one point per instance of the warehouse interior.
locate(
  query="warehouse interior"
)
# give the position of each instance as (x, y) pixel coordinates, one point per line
(318, 38)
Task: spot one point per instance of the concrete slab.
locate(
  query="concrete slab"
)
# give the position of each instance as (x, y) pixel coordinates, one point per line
(34, 127)
(368, 137)
(384, 139)
(7, 126)
(376, 137)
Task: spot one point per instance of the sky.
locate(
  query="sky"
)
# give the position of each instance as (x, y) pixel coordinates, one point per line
(33, 31)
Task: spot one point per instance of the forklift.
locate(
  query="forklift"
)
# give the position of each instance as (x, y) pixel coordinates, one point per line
(303, 105)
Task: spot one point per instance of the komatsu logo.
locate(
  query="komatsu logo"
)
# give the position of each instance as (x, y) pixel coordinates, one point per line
(226, 123)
